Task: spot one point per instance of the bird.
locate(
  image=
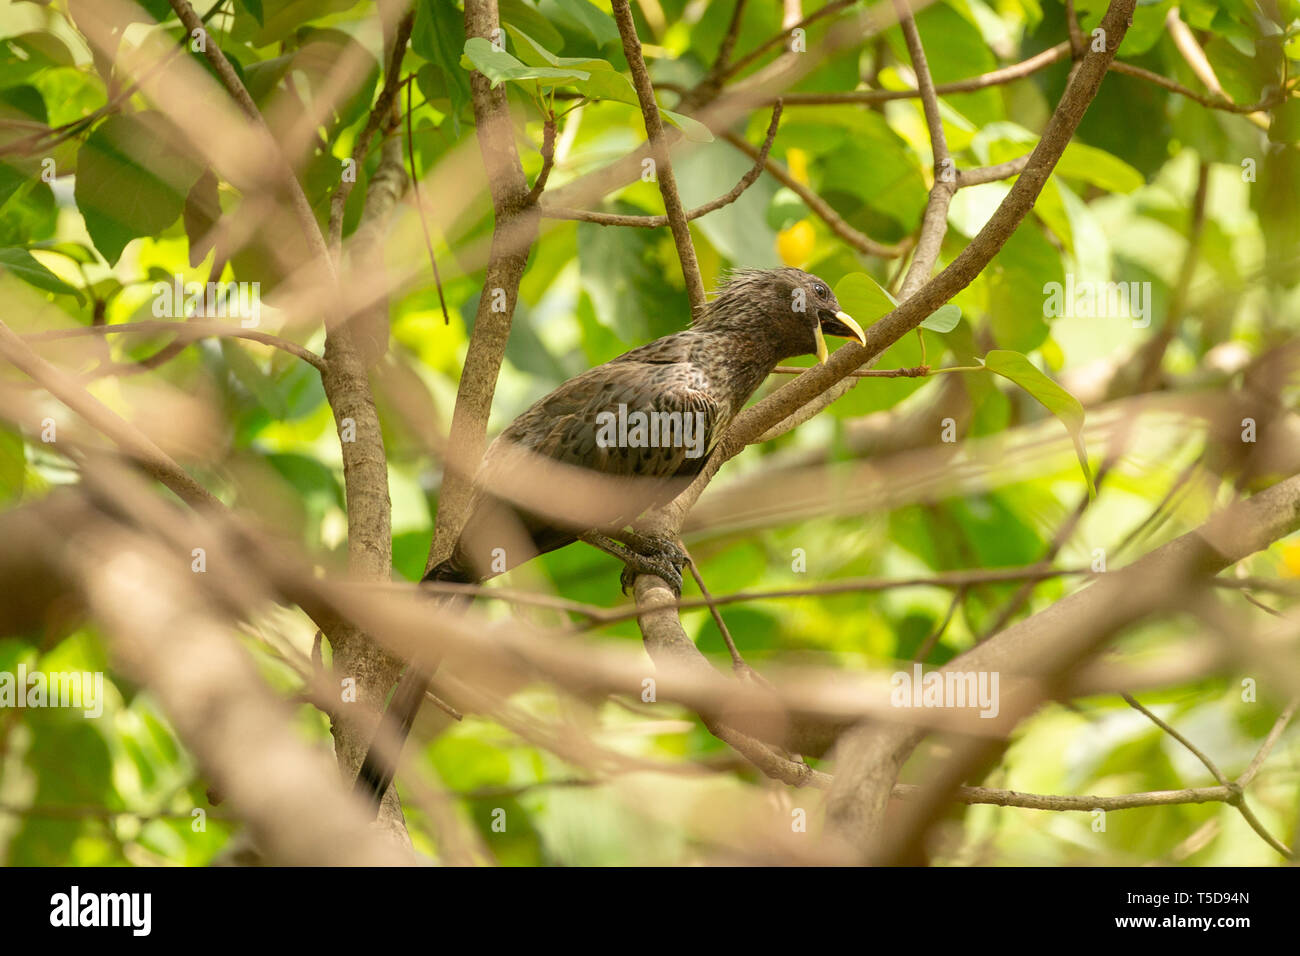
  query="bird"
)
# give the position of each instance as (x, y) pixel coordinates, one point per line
(699, 378)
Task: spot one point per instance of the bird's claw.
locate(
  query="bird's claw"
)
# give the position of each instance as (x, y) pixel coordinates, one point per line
(655, 556)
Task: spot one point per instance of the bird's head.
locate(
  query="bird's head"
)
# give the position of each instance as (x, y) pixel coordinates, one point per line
(792, 308)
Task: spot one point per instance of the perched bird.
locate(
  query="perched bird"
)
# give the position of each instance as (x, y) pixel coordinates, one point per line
(644, 423)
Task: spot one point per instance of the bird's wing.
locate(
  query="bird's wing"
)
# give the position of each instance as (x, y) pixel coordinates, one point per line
(591, 421)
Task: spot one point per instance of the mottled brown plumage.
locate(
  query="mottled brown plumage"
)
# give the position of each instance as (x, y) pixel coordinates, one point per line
(757, 319)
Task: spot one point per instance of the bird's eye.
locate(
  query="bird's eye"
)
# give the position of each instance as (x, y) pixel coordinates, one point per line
(821, 290)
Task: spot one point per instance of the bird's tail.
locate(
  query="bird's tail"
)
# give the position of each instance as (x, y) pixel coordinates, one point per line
(380, 763)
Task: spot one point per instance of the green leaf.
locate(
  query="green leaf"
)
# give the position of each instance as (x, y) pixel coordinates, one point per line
(1098, 167)
(785, 209)
(943, 319)
(13, 464)
(692, 129)
(863, 298)
(22, 264)
(535, 54)
(201, 213)
(1015, 279)
(28, 54)
(255, 8)
(439, 37)
(866, 300)
(522, 14)
(11, 180)
(602, 82)
(259, 385)
(599, 24)
(1017, 368)
(1285, 127)
(132, 179)
(499, 66)
(621, 273)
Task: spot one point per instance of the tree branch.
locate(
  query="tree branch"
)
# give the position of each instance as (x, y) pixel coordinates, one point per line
(1046, 644)
(186, 331)
(820, 207)
(513, 235)
(664, 175)
(656, 222)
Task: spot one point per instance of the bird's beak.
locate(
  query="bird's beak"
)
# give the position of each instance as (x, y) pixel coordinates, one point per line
(842, 325)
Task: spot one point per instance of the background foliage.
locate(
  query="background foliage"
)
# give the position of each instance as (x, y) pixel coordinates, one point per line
(87, 248)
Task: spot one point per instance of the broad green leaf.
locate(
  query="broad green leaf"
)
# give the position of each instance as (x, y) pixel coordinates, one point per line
(439, 37)
(523, 15)
(499, 66)
(132, 179)
(586, 17)
(1017, 368)
(1098, 167)
(873, 165)
(602, 82)
(202, 211)
(1015, 281)
(739, 230)
(622, 273)
(785, 209)
(692, 129)
(1285, 127)
(11, 180)
(255, 8)
(863, 298)
(535, 54)
(13, 464)
(260, 385)
(866, 300)
(22, 264)
(943, 319)
(28, 54)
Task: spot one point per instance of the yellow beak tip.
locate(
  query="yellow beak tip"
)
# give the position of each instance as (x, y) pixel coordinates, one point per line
(853, 327)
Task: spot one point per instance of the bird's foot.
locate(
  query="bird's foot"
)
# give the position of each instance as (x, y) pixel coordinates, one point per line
(643, 554)
(660, 557)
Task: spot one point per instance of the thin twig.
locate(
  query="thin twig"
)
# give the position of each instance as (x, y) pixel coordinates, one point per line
(918, 371)
(1210, 102)
(419, 204)
(1210, 764)
(728, 40)
(998, 77)
(737, 662)
(667, 180)
(378, 117)
(863, 243)
(185, 331)
(988, 174)
(831, 8)
(1192, 53)
(1266, 747)
(934, 221)
(656, 222)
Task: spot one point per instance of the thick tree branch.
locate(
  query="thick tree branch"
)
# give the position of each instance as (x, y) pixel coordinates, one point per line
(512, 240)
(1048, 643)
